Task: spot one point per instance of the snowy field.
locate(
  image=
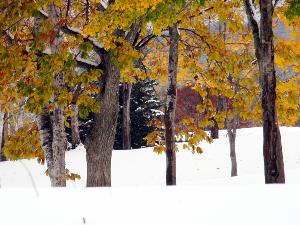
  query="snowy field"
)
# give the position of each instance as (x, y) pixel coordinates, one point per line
(205, 193)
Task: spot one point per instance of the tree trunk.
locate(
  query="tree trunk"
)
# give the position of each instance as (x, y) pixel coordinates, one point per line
(214, 130)
(99, 143)
(171, 107)
(231, 131)
(59, 146)
(264, 50)
(5, 132)
(233, 155)
(59, 141)
(273, 159)
(54, 144)
(75, 135)
(2, 120)
(46, 136)
(126, 137)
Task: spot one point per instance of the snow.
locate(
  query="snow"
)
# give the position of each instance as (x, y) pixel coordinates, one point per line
(156, 112)
(205, 193)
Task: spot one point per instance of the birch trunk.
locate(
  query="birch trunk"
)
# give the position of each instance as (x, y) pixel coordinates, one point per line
(170, 108)
(54, 144)
(126, 137)
(58, 143)
(59, 146)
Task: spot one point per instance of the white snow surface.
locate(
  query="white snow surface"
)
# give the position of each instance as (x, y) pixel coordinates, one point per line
(205, 194)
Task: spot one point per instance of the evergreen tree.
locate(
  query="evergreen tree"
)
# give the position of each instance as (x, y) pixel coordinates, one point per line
(144, 109)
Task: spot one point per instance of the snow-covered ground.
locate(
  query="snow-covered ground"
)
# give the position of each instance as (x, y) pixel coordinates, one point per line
(205, 193)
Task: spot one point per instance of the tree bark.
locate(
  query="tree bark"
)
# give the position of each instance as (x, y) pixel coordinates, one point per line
(75, 135)
(264, 49)
(126, 124)
(273, 159)
(46, 136)
(2, 120)
(54, 144)
(99, 143)
(214, 130)
(59, 146)
(231, 131)
(170, 108)
(233, 155)
(59, 141)
(1, 127)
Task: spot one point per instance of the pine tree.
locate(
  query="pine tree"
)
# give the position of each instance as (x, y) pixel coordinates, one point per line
(144, 110)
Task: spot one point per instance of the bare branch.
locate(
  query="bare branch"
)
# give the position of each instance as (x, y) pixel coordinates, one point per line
(144, 41)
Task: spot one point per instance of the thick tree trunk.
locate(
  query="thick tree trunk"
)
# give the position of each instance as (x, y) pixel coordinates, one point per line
(126, 137)
(264, 50)
(99, 143)
(273, 159)
(171, 107)
(75, 135)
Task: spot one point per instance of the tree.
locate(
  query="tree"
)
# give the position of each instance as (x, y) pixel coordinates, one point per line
(264, 51)
(170, 108)
(42, 68)
(100, 141)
